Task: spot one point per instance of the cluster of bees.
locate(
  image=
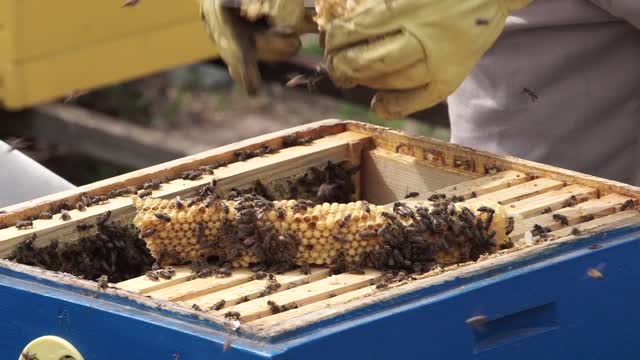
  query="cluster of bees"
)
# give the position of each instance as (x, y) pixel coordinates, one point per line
(114, 251)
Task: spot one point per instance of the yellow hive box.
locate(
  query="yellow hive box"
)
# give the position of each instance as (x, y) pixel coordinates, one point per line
(50, 49)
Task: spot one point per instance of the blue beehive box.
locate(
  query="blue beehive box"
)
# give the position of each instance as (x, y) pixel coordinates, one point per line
(569, 295)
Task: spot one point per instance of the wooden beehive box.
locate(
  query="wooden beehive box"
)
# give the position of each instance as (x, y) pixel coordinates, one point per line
(89, 45)
(392, 164)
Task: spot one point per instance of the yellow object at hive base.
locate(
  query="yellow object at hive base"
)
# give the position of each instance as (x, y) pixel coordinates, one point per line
(50, 49)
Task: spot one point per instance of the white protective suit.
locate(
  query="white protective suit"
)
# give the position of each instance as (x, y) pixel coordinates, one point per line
(579, 62)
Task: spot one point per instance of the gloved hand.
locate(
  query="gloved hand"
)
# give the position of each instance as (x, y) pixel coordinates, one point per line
(247, 30)
(416, 51)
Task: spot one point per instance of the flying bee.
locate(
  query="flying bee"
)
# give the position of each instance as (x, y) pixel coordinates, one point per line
(310, 81)
(595, 274)
(532, 95)
(476, 321)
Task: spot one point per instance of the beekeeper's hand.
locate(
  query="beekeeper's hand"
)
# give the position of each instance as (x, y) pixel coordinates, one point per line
(247, 30)
(417, 52)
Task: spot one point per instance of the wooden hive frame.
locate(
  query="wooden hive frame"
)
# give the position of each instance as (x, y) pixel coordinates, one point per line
(392, 163)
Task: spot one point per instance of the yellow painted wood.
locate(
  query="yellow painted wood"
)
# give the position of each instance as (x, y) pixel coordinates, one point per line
(50, 49)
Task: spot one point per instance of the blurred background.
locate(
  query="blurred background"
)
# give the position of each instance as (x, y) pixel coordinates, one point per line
(141, 85)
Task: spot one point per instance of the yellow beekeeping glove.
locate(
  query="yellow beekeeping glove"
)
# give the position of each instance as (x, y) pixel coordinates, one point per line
(417, 52)
(247, 30)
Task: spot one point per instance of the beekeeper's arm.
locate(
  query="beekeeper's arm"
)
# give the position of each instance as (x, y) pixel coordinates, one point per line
(623, 9)
(416, 52)
(255, 30)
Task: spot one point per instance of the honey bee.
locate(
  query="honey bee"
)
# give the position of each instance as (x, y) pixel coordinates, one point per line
(412, 194)
(152, 275)
(562, 219)
(99, 199)
(162, 217)
(24, 224)
(144, 193)
(309, 80)
(178, 203)
(83, 226)
(219, 305)
(368, 234)
(595, 274)
(167, 273)
(259, 275)
(45, 215)
(102, 218)
(196, 307)
(103, 282)
(81, 206)
(151, 185)
(232, 315)
(191, 175)
(629, 204)
(575, 231)
(64, 215)
(290, 140)
(570, 202)
(457, 198)
(437, 197)
(345, 221)
(547, 210)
